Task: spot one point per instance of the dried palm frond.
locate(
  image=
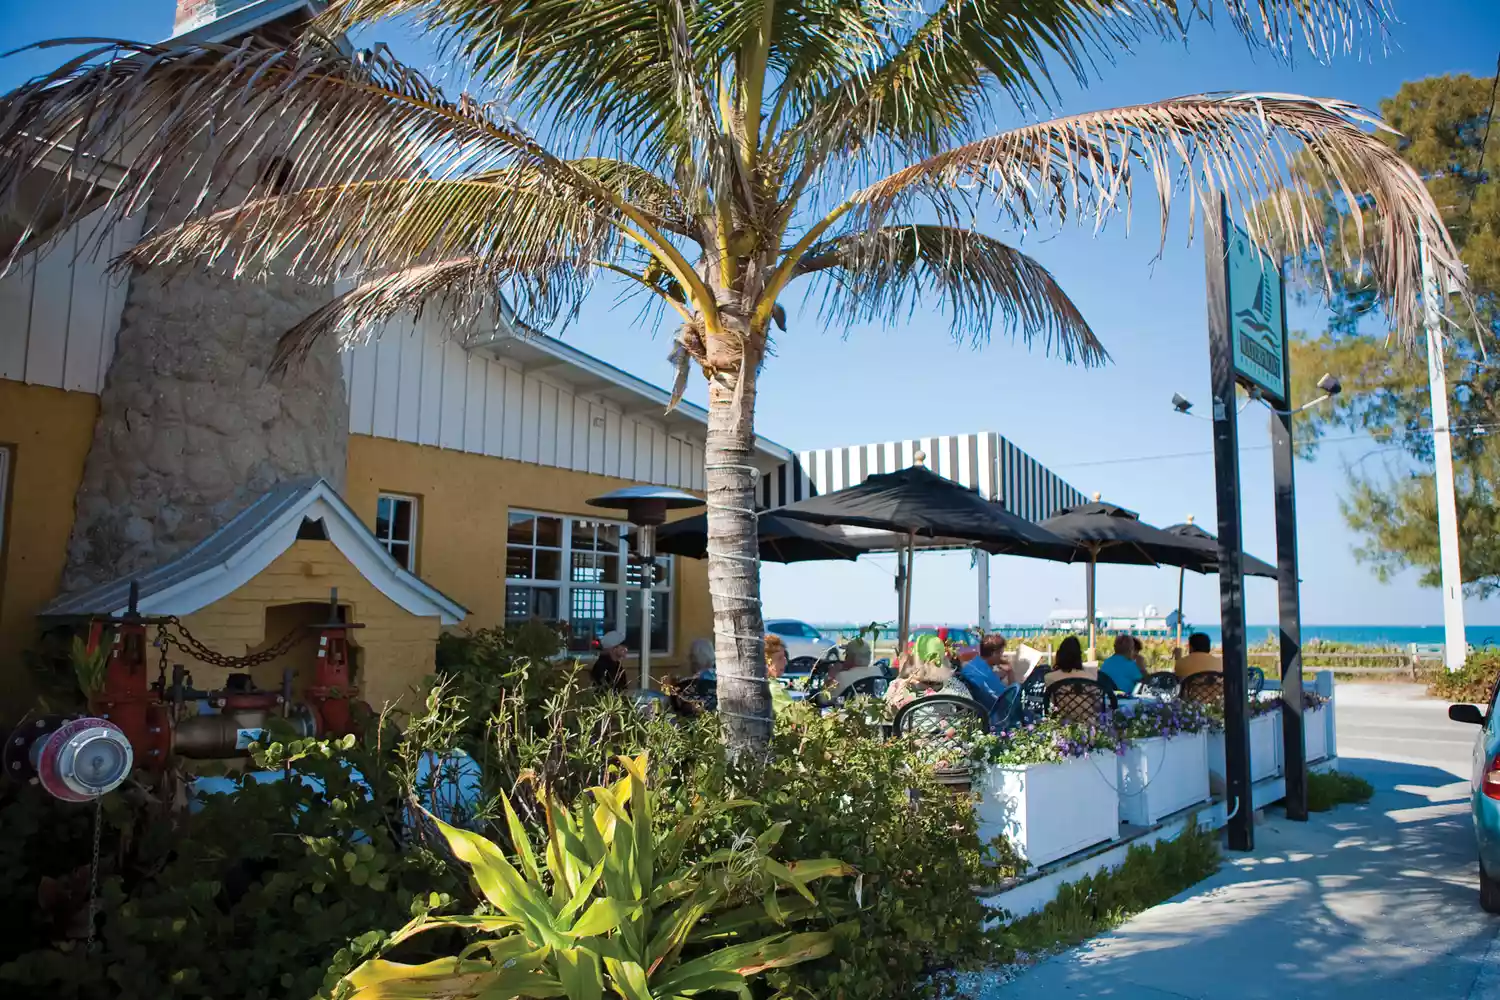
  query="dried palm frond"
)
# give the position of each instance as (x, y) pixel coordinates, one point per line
(883, 275)
(463, 288)
(1239, 145)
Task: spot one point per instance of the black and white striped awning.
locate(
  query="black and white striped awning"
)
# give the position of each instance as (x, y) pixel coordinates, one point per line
(986, 462)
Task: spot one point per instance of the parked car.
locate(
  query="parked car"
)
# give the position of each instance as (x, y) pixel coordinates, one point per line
(1484, 784)
(801, 638)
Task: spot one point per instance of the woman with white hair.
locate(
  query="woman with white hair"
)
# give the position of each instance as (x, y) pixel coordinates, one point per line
(701, 658)
(854, 667)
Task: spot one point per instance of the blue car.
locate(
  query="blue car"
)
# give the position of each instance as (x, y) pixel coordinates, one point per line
(1484, 783)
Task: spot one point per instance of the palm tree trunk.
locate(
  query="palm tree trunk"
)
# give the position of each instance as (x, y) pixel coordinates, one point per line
(733, 566)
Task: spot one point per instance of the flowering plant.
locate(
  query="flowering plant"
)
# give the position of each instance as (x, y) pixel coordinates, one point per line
(1048, 741)
(1167, 718)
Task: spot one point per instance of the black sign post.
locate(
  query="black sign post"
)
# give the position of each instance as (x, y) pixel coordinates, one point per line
(1289, 604)
(1231, 578)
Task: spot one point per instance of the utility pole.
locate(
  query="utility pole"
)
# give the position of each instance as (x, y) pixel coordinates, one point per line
(1455, 643)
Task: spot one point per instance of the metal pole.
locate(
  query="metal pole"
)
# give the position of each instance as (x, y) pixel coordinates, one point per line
(1294, 750)
(1181, 580)
(982, 563)
(911, 563)
(1089, 604)
(1455, 643)
(646, 536)
(1231, 579)
(901, 571)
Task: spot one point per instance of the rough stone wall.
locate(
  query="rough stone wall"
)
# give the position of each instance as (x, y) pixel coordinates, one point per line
(190, 429)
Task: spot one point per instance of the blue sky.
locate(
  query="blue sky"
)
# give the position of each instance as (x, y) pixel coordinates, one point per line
(1109, 430)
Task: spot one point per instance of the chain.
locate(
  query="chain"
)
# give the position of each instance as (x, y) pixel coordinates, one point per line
(94, 872)
(193, 647)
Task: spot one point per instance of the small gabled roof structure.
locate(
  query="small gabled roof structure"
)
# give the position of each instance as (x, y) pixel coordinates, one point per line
(235, 554)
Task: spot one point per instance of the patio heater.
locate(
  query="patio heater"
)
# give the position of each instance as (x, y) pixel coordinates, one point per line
(645, 508)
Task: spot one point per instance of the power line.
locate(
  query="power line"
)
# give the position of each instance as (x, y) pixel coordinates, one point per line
(1254, 447)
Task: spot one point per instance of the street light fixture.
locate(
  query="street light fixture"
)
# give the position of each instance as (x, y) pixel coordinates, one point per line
(646, 507)
(1329, 384)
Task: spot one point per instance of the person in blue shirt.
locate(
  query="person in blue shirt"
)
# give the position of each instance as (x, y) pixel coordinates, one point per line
(988, 676)
(1122, 668)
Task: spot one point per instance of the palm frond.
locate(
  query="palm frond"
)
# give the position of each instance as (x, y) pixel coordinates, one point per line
(463, 286)
(199, 126)
(885, 274)
(1239, 145)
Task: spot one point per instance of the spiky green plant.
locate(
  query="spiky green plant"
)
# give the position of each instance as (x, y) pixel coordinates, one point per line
(714, 154)
(608, 907)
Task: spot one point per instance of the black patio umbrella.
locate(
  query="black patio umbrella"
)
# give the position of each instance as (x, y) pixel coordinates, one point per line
(917, 502)
(782, 539)
(1251, 566)
(1111, 534)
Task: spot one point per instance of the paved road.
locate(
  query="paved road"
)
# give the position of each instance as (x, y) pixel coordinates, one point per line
(1373, 902)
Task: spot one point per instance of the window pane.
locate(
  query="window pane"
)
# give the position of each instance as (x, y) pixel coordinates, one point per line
(583, 567)
(549, 531)
(661, 620)
(808, 632)
(518, 563)
(548, 565)
(523, 603)
(592, 613)
(383, 518)
(401, 522)
(402, 553)
(785, 628)
(522, 529)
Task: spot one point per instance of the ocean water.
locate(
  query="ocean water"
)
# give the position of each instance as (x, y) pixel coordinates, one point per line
(1372, 635)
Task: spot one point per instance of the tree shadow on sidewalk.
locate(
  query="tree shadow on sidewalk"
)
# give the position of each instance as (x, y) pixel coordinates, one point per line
(1375, 901)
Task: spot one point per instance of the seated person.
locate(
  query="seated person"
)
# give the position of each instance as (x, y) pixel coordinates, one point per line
(1140, 658)
(609, 670)
(855, 666)
(1200, 658)
(701, 659)
(918, 679)
(1067, 663)
(1122, 667)
(775, 649)
(987, 675)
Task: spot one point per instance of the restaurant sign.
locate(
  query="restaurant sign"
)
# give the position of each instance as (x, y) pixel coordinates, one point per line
(1257, 327)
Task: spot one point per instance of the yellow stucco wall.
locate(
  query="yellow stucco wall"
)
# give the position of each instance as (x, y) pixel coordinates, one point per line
(395, 646)
(48, 432)
(463, 501)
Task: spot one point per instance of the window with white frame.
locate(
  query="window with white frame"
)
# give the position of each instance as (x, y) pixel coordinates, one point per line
(396, 527)
(580, 571)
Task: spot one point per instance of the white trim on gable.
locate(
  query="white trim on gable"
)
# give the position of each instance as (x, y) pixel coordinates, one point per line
(258, 551)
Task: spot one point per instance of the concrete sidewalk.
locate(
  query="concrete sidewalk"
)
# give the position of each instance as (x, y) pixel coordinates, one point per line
(1373, 902)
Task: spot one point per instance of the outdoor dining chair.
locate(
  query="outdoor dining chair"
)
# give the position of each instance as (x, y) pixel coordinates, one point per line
(1206, 688)
(867, 687)
(1034, 694)
(1256, 681)
(1080, 700)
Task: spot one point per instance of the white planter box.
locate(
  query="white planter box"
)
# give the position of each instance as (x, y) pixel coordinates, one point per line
(1161, 776)
(1315, 733)
(1265, 748)
(1048, 811)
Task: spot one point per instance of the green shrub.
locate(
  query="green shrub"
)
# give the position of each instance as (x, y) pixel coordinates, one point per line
(258, 895)
(614, 899)
(1326, 789)
(1092, 905)
(1475, 683)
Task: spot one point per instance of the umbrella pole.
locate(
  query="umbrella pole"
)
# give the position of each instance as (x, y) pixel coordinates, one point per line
(1093, 556)
(911, 562)
(1181, 575)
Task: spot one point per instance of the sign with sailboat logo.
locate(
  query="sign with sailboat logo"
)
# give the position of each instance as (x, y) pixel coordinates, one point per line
(1257, 327)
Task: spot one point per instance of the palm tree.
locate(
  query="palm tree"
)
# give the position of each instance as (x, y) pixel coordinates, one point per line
(713, 153)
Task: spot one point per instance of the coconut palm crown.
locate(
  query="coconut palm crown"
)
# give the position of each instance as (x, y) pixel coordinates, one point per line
(714, 154)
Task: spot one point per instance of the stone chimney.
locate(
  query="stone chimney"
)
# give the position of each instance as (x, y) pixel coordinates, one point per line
(196, 13)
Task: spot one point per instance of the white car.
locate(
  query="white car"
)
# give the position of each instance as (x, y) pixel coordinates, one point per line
(801, 638)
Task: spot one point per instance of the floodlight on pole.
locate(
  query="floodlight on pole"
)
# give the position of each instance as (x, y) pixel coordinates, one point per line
(646, 508)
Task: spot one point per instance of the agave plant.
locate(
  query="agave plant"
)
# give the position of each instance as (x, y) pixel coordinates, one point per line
(716, 155)
(612, 907)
